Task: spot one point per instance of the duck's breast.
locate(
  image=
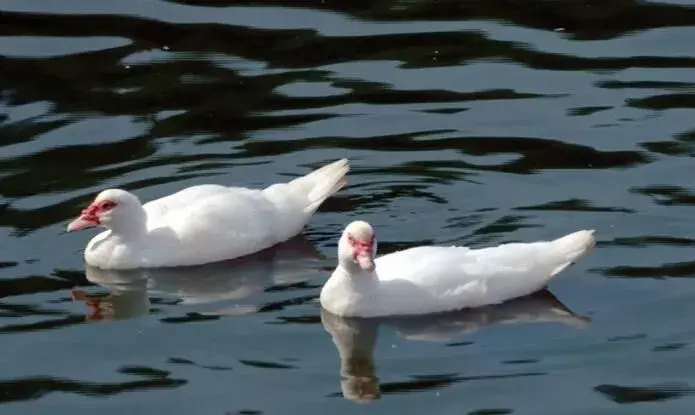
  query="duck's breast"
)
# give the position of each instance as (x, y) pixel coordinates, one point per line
(108, 251)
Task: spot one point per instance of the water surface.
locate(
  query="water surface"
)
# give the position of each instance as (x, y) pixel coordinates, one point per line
(466, 122)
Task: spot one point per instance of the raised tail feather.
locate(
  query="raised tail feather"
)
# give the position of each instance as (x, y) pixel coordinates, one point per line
(568, 248)
(322, 183)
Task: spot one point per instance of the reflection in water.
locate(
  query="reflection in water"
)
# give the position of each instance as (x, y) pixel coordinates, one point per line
(629, 394)
(356, 338)
(37, 387)
(683, 269)
(130, 290)
(125, 299)
(475, 122)
(214, 77)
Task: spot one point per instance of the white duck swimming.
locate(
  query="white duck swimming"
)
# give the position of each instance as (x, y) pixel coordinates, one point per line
(432, 279)
(202, 224)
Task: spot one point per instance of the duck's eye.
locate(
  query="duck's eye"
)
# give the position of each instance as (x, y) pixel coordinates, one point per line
(351, 240)
(108, 204)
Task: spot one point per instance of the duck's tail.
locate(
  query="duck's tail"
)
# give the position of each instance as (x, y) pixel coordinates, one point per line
(322, 183)
(568, 248)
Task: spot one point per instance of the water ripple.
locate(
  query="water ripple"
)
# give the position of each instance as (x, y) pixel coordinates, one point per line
(38, 387)
(466, 122)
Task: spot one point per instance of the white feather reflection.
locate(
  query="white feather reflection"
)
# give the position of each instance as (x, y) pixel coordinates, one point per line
(356, 338)
(130, 290)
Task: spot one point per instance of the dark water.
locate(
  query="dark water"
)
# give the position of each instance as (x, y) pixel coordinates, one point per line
(471, 122)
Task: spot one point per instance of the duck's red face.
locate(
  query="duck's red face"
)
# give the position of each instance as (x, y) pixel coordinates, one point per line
(363, 251)
(91, 216)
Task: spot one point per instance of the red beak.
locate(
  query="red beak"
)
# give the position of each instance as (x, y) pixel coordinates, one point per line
(364, 255)
(87, 219)
(365, 261)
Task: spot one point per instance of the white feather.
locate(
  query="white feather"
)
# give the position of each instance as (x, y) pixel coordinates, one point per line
(432, 279)
(209, 223)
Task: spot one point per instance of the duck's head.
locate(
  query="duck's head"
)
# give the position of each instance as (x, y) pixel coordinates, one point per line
(357, 247)
(112, 208)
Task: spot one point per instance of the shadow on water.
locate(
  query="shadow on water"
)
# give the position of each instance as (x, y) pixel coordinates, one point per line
(36, 284)
(673, 270)
(38, 387)
(356, 339)
(132, 293)
(631, 395)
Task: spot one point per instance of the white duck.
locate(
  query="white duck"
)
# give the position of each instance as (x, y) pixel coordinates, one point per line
(202, 224)
(432, 279)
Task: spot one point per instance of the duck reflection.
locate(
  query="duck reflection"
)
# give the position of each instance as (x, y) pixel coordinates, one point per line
(356, 338)
(125, 299)
(129, 291)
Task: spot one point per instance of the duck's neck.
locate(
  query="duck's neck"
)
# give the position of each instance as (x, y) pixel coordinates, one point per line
(132, 228)
(351, 294)
(355, 278)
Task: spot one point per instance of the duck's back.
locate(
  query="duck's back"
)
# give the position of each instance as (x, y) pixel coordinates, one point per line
(182, 198)
(212, 223)
(446, 278)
